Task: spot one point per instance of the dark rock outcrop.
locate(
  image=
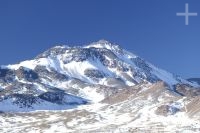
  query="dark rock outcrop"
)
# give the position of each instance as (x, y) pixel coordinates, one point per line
(186, 90)
(27, 74)
(166, 110)
(92, 73)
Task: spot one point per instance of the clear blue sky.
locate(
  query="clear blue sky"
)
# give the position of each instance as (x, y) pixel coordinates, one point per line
(148, 28)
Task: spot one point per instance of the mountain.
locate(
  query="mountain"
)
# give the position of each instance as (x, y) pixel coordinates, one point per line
(98, 83)
(194, 80)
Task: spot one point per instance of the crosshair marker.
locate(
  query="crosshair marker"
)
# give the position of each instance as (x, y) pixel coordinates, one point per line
(186, 14)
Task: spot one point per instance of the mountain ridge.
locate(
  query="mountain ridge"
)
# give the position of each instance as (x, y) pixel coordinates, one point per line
(102, 64)
(102, 44)
(98, 87)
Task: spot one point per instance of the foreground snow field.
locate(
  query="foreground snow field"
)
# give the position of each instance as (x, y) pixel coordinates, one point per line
(132, 114)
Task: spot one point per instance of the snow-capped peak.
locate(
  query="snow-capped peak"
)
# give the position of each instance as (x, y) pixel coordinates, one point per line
(100, 63)
(101, 44)
(104, 44)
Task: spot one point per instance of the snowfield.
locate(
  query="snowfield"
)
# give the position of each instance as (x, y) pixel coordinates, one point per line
(134, 114)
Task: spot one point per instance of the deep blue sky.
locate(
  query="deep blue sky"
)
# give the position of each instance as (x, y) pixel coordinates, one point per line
(148, 28)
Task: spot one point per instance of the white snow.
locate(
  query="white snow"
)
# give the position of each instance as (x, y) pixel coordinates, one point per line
(92, 94)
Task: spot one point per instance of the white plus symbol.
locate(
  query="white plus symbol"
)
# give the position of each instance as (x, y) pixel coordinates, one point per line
(186, 14)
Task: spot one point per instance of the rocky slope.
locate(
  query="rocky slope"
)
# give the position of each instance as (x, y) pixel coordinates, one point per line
(97, 87)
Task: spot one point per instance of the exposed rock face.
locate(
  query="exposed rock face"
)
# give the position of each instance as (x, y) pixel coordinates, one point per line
(52, 52)
(92, 73)
(24, 100)
(122, 95)
(6, 75)
(163, 110)
(166, 110)
(193, 107)
(186, 90)
(55, 97)
(145, 68)
(50, 75)
(26, 74)
(19, 87)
